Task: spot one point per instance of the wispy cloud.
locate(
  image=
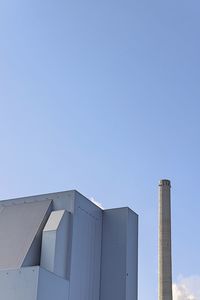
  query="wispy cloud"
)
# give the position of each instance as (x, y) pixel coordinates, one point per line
(187, 288)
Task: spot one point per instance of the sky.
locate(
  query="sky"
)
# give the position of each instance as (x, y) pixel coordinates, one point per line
(104, 97)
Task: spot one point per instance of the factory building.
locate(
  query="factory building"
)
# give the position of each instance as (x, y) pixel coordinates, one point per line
(62, 246)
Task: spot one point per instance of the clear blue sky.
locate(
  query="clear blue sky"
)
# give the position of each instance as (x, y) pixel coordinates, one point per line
(104, 97)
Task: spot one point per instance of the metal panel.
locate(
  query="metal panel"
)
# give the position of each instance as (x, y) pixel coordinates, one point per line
(132, 257)
(20, 226)
(19, 284)
(113, 263)
(55, 243)
(52, 287)
(86, 251)
(119, 255)
(60, 200)
(54, 220)
(32, 283)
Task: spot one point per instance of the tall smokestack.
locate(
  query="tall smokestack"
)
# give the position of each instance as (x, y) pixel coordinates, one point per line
(165, 257)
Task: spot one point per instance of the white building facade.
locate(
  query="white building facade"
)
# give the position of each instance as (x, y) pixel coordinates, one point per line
(62, 246)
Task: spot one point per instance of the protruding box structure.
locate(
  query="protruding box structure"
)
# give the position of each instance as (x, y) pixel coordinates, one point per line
(119, 266)
(53, 247)
(165, 259)
(55, 243)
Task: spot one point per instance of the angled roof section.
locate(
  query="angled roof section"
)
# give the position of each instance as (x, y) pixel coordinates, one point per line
(21, 228)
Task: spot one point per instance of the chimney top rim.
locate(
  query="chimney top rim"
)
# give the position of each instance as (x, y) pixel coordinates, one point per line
(165, 182)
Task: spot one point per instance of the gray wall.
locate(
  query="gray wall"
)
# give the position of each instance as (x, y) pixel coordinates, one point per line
(19, 284)
(132, 257)
(101, 259)
(86, 250)
(51, 287)
(21, 228)
(119, 255)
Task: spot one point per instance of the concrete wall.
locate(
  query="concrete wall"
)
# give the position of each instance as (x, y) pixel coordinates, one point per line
(164, 251)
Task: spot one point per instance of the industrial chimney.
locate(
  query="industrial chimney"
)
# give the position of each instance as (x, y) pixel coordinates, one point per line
(164, 251)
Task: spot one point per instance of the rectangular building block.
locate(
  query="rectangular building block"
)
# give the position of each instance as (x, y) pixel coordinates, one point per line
(119, 255)
(55, 243)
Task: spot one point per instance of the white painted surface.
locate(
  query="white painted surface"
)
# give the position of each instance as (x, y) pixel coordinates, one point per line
(54, 220)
